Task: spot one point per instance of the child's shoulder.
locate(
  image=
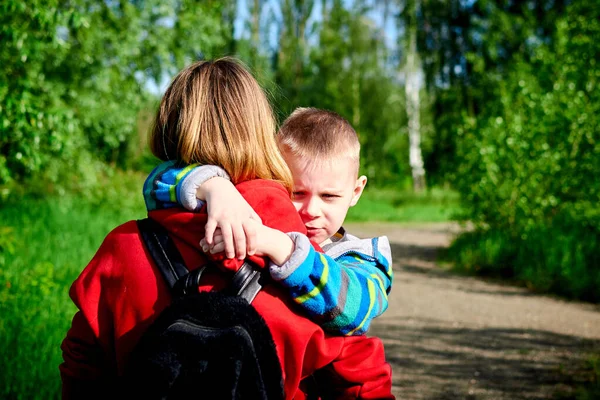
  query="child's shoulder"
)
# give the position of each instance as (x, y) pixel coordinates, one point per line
(344, 242)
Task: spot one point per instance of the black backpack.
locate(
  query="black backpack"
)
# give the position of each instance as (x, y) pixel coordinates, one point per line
(211, 345)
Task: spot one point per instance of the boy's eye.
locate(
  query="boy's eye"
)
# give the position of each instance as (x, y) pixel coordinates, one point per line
(297, 194)
(329, 196)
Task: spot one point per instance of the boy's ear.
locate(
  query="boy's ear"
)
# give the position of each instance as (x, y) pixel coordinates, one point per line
(359, 186)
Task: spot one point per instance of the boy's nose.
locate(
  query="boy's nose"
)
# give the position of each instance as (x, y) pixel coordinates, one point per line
(311, 208)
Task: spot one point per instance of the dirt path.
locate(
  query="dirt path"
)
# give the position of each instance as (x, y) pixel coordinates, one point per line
(454, 337)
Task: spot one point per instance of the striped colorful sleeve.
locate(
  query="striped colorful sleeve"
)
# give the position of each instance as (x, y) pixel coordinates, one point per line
(173, 184)
(344, 294)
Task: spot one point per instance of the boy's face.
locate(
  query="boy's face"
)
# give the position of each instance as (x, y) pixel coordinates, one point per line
(323, 193)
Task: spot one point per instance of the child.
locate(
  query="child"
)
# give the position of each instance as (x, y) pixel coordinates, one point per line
(322, 150)
(214, 112)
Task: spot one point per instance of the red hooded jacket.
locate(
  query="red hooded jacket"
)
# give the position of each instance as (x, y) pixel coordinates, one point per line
(121, 292)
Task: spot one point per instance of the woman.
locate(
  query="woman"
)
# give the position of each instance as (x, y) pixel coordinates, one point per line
(214, 113)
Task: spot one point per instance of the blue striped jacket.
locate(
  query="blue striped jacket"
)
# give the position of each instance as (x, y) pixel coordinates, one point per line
(342, 290)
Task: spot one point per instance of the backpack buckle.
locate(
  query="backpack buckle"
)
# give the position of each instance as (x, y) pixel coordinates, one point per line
(246, 282)
(188, 284)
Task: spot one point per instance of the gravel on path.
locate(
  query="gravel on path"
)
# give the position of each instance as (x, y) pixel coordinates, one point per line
(449, 336)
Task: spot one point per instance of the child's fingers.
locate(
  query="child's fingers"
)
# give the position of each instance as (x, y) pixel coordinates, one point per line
(217, 240)
(239, 238)
(227, 234)
(251, 239)
(209, 230)
(218, 237)
(217, 248)
(203, 245)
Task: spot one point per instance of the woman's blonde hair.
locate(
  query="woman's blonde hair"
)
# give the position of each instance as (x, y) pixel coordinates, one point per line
(215, 113)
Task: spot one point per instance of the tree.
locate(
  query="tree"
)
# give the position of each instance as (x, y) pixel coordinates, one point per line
(528, 160)
(351, 75)
(413, 74)
(467, 49)
(291, 55)
(75, 76)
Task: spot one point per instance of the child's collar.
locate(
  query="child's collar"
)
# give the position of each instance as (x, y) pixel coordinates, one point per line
(336, 237)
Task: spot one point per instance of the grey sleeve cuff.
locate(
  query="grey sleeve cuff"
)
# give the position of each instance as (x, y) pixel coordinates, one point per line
(195, 179)
(384, 248)
(302, 248)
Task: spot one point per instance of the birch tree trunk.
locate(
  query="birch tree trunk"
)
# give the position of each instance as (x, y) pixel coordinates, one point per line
(413, 73)
(356, 97)
(255, 27)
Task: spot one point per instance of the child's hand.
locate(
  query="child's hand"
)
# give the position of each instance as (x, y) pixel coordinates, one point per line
(232, 215)
(217, 245)
(219, 242)
(266, 242)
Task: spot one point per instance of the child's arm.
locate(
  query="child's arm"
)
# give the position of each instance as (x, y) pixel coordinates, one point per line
(268, 242)
(173, 184)
(344, 300)
(344, 294)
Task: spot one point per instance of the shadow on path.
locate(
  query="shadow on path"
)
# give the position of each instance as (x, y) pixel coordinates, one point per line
(426, 253)
(422, 260)
(433, 360)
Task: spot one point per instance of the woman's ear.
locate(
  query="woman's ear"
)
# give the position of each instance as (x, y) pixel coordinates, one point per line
(359, 186)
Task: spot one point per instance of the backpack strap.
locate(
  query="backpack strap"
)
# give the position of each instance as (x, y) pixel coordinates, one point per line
(246, 282)
(162, 249)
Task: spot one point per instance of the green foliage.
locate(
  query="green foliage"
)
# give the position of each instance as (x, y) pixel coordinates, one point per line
(7, 242)
(75, 77)
(347, 71)
(468, 49)
(35, 125)
(530, 156)
(561, 258)
(527, 164)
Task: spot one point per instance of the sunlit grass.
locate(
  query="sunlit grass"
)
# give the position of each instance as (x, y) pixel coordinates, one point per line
(47, 243)
(435, 205)
(558, 259)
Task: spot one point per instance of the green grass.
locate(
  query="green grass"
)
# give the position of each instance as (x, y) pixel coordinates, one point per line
(43, 247)
(435, 205)
(559, 259)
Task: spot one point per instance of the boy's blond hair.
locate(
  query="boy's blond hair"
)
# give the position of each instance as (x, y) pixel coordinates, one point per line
(314, 134)
(215, 113)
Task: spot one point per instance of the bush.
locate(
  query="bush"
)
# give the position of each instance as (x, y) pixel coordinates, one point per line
(562, 258)
(529, 166)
